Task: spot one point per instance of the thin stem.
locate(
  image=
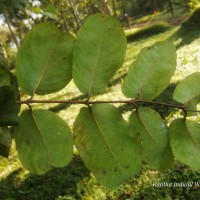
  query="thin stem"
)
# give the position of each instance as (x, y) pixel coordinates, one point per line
(90, 102)
(132, 101)
(180, 106)
(29, 106)
(10, 29)
(31, 101)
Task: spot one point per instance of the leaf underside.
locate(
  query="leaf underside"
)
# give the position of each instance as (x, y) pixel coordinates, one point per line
(185, 142)
(98, 53)
(44, 61)
(152, 133)
(43, 141)
(154, 63)
(105, 146)
(187, 92)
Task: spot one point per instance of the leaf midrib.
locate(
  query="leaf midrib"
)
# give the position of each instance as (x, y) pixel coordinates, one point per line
(150, 71)
(46, 66)
(151, 136)
(146, 78)
(107, 144)
(40, 133)
(96, 61)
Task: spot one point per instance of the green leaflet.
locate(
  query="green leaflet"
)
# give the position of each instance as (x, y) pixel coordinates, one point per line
(43, 141)
(98, 53)
(185, 141)
(150, 74)
(188, 91)
(5, 141)
(103, 141)
(44, 61)
(152, 132)
(8, 107)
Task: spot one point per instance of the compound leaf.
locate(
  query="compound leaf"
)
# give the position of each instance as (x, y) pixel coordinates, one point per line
(98, 53)
(188, 91)
(185, 142)
(8, 107)
(44, 61)
(103, 141)
(43, 141)
(152, 132)
(5, 141)
(150, 74)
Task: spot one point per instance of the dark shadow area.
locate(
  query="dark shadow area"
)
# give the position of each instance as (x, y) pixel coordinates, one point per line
(116, 80)
(148, 31)
(190, 30)
(172, 189)
(55, 183)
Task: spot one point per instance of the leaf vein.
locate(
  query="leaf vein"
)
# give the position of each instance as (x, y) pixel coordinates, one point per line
(37, 126)
(151, 136)
(96, 61)
(107, 144)
(45, 67)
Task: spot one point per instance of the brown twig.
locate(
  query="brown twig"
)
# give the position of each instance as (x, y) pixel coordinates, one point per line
(10, 29)
(90, 102)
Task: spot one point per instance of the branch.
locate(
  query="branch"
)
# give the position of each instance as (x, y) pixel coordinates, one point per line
(31, 101)
(10, 29)
(179, 106)
(90, 102)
